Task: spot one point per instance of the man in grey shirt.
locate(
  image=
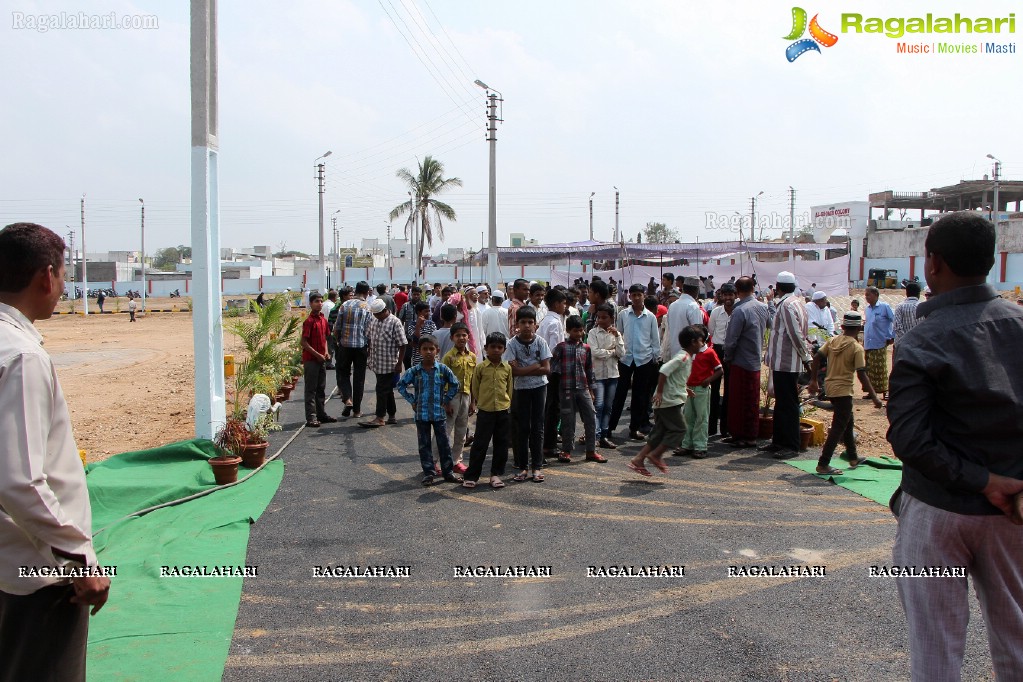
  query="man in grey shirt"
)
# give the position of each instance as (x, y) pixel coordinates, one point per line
(743, 355)
(956, 416)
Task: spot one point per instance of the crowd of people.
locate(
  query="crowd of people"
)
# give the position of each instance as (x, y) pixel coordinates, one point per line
(586, 352)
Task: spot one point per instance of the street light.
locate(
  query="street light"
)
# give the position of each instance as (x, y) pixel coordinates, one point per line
(319, 177)
(998, 165)
(143, 254)
(492, 119)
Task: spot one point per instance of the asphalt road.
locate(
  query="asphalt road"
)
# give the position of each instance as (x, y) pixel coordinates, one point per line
(352, 496)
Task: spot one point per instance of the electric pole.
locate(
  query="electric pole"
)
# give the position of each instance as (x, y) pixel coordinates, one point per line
(492, 118)
(322, 262)
(591, 215)
(616, 216)
(71, 261)
(792, 224)
(143, 255)
(388, 250)
(85, 265)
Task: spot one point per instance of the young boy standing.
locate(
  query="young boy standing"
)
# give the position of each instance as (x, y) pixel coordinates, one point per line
(706, 370)
(423, 326)
(607, 347)
(491, 389)
(435, 386)
(573, 363)
(530, 360)
(669, 424)
(462, 362)
(845, 359)
(314, 359)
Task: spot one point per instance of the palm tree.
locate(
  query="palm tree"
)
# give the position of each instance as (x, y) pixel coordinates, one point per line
(423, 207)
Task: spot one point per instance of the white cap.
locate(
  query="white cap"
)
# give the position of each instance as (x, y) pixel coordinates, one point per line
(482, 288)
(497, 294)
(818, 296)
(377, 306)
(785, 277)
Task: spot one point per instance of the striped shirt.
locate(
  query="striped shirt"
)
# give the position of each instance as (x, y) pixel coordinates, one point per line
(352, 323)
(905, 317)
(434, 387)
(788, 349)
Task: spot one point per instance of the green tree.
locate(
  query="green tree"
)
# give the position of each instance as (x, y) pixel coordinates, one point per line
(659, 233)
(428, 182)
(166, 259)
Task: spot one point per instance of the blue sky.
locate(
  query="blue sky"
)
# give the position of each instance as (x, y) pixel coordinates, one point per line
(687, 107)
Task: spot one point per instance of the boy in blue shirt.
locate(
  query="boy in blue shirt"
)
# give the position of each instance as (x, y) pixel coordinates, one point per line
(435, 386)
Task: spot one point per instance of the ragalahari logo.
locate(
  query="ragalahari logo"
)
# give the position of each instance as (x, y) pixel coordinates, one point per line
(817, 35)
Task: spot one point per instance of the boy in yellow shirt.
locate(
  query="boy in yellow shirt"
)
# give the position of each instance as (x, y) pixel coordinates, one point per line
(492, 386)
(461, 361)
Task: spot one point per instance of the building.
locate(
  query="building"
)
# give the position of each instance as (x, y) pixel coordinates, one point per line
(519, 239)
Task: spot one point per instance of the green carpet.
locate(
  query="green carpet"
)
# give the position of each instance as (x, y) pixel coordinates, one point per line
(875, 480)
(162, 628)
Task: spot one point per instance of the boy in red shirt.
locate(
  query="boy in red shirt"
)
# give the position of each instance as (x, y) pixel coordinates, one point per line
(314, 360)
(706, 370)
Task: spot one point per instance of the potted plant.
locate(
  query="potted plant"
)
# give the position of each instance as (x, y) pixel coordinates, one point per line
(254, 451)
(229, 441)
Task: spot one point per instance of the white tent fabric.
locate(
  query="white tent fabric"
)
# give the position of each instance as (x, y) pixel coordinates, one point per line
(831, 276)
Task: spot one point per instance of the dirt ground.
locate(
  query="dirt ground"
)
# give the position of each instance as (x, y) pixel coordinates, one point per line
(130, 386)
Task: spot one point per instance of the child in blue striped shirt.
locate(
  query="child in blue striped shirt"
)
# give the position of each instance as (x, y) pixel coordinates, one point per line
(435, 386)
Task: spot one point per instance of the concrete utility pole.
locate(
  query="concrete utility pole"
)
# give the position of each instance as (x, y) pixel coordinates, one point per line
(617, 233)
(996, 270)
(412, 217)
(792, 224)
(207, 320)
(388, 249)
(85, 266)
(591, 215)
(492, 119)
(753, 218)
(337, 243)
(143, 256)
(71, 261)
(322, 277)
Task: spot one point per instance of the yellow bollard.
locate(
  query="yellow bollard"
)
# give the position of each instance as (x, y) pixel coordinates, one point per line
(228, 365)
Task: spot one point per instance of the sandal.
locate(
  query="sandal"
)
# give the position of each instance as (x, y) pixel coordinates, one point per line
(565, 457)
(538, 477)
(519, 478)
(659, 463)
(639, 469)
(859, 461)
(495, 482)
(829, 471)
(468, 484)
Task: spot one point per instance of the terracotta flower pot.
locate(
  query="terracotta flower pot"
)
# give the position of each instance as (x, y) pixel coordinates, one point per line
(766, 427)
(280, 398)
(254, 454)
(286, 391)
(805, 436)
(225, 468)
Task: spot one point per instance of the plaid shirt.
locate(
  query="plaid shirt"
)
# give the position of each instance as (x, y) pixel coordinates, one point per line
(788, 348)
(574, 362)
(428, 328)
(434, 388)
(905, 317)
(386, 338)
(352, 322)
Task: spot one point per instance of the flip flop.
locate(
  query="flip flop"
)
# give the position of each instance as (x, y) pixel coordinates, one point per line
(496, 483)
(659, 463)
(860, 461)
(468, 484)
(831, 471)
(519, 478)
(370, 425)
(638, 469)
(538, 478)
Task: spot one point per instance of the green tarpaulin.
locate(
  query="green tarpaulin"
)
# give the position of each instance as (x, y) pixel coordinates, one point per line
(876, 480)
(161, 628)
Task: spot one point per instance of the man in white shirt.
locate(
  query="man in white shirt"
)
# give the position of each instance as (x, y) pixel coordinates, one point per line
(682, 313)
(495, 318)
(817, 313)
(45, 515)
(475, 320)
(719, 316)
(484, 297)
